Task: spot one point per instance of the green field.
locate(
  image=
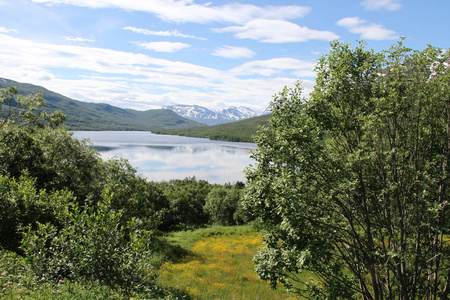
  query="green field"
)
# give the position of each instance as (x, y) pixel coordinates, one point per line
(217, 265)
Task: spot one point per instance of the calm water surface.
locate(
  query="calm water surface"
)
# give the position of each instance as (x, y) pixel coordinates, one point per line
(165, 157)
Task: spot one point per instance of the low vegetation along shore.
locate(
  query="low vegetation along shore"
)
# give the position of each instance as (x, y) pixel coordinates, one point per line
(240, 131)
(347, 198)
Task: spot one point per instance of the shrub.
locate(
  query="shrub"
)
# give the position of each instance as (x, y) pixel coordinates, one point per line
(221, 204)
(93, 244)
(22, 205)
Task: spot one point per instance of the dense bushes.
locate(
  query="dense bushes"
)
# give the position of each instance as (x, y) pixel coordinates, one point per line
(223, 205)
(92, 244)
(194, 203)
(71, 215)
(22, 205)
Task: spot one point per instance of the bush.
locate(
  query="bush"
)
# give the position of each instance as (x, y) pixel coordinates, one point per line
(133, 194)
(22, 205)
(187, 198)
(93, 245)
(221, 205)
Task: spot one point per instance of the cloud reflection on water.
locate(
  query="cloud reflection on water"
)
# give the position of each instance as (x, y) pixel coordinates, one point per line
(159, 157)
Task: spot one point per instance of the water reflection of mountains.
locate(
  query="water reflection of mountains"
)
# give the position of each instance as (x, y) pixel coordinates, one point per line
(169, 148)
(102, 148)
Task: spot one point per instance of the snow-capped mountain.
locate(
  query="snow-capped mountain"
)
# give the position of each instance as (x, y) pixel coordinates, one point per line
(207, 116)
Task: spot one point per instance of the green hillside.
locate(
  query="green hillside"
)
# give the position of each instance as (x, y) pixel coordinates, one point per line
(240, 131)
(97, 116)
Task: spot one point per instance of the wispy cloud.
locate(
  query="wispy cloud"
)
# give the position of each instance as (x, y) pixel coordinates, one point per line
(381, 4)
(234, 52)
(174, 33)
(136, 80)
(20, 52)
(277, 31)
(7, 30)
(77, 39)
(164, 46)
(189, 11)
(367, 30)
(275, 66)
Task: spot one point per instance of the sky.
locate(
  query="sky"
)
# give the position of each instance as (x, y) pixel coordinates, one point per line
(146, 54)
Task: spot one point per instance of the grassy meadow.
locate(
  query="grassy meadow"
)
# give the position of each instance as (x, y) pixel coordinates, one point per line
(217, 265)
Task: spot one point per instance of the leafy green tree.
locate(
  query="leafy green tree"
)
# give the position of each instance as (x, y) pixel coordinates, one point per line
(54, 186)
(223, 205)
(352, 184)
(34, 141)
(187, 198)
(137, 197)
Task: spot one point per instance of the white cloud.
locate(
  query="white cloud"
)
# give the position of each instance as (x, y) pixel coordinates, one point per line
(77, 39)
(189, 11)
(7, 30)
(139, 81)
(17, 52)
(381, 4)
(366, 30)
(168, 47)
(277, 31)
(174, 33)
(233, 52)
(29, 73)
(275, 66)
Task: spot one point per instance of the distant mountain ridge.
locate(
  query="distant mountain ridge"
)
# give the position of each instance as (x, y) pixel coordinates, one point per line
(101, 116)
(207, 116)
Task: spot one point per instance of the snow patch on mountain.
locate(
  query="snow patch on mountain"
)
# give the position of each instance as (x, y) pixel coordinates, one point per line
(207, 116)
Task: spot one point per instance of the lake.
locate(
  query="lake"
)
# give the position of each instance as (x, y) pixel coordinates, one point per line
(165, 157)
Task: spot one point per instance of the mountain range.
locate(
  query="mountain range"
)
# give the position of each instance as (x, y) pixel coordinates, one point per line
(207, 116)
(100, 116)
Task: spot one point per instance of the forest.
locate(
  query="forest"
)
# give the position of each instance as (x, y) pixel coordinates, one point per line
(348, 197)
(239, 131)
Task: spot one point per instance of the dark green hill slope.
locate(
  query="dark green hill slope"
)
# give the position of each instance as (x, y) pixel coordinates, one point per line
(240, 131)
(97, 116)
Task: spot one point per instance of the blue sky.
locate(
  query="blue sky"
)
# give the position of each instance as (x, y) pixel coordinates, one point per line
(145, 54)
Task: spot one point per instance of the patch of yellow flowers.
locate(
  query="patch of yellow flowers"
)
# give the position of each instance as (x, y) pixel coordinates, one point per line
(221, 267)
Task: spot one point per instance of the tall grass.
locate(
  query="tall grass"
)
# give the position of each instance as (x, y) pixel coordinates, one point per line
(219, 265)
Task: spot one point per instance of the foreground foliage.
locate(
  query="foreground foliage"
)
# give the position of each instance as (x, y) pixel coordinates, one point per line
(68, 218)
(352, 185)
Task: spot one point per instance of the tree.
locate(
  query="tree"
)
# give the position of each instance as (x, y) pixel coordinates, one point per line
(34, 141)
(187, 198)
(352, 183)
(137, 197)
(222, 203)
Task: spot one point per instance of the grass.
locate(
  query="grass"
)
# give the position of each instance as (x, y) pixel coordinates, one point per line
(219, 265)
(207, 263)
